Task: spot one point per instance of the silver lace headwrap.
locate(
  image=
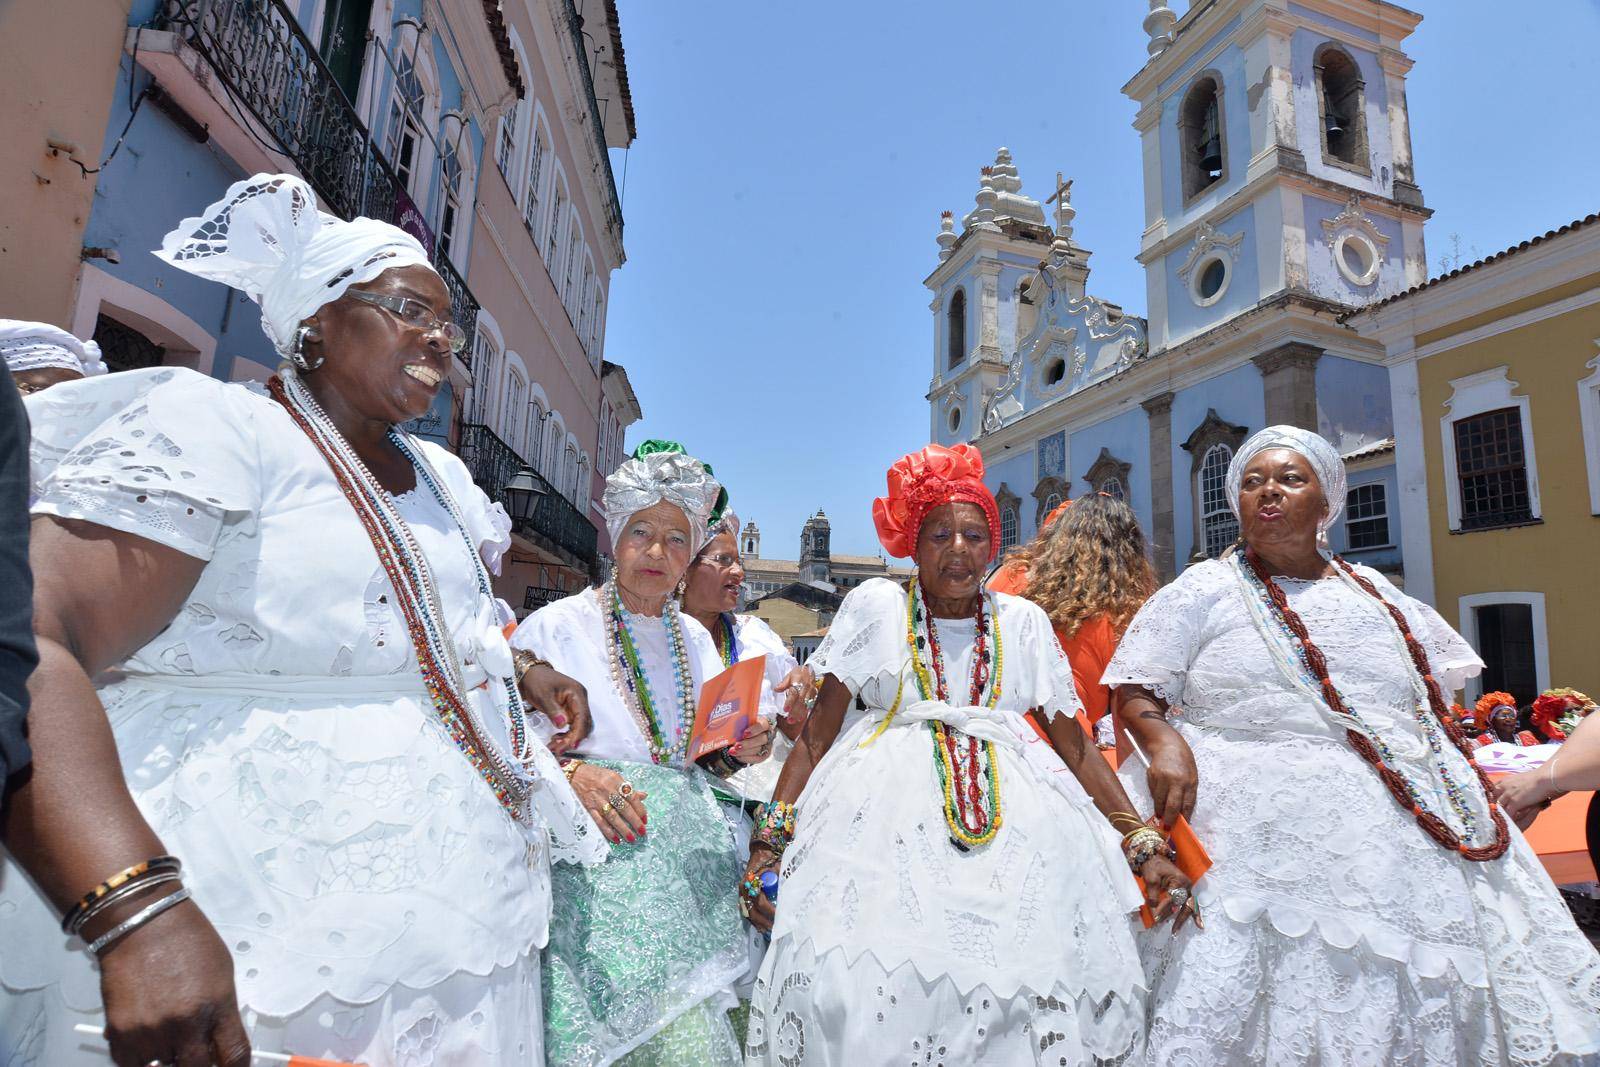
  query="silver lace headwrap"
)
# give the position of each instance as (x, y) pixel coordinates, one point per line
(266, 238)
(726, 523)
(670, 477)
(1322, 456)
(37, 345)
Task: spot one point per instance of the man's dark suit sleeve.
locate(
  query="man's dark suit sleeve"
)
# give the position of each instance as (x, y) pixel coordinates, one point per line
(18, 655)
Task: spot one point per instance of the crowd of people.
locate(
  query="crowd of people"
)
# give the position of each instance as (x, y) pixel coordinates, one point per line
(294, 780)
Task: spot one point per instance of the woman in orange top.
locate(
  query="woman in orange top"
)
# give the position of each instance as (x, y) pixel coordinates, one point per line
(1089, 570)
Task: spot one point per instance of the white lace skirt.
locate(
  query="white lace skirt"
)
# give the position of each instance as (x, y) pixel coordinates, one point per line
(893, 947)
(1338, 933)
(464, 1021)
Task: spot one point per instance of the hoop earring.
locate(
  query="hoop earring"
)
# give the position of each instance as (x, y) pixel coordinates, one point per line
(297, 354)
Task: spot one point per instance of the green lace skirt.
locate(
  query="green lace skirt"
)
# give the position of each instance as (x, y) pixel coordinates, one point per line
(646, 948)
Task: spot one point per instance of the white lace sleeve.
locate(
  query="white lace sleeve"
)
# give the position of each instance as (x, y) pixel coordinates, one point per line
(165, 453)
(867, 637)
(487, 521)
(1164, 637)
(1035, 658)
(1452, 659)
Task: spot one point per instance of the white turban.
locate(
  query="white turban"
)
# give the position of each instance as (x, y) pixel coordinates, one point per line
(1322, 456)
(266, 238)
(675, 478)
(726, 523)
(37, 345)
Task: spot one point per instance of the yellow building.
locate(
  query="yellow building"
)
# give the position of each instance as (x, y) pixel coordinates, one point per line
(1494, 374)
(796, 610)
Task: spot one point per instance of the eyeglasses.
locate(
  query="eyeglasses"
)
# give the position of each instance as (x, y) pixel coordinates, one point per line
(721, 561)
(416, 314)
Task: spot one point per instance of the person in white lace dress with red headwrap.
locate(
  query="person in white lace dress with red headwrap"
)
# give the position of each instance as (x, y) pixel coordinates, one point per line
(1367, 902)
(305, 695)
(951, 894)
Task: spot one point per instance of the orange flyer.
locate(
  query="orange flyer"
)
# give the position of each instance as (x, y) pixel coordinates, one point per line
(1193, 861)
(729, 704)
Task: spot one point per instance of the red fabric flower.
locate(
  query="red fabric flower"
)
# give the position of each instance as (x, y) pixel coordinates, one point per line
(924, 480)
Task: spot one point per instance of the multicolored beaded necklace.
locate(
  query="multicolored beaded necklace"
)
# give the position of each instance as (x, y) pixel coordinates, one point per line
(969, 773)
(728, 647)
(417, 595)
(632, 684)
(1309, 669)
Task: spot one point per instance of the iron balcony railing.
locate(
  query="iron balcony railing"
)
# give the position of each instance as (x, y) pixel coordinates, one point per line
(597, 124)
(269, 66)
(494, 463)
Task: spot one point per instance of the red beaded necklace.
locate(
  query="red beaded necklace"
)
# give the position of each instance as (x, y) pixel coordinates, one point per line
(1404, 795)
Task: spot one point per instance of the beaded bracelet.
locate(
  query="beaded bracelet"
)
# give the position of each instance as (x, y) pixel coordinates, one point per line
(775, 827)
(75, 915)
(721, 764)
(1143, 845)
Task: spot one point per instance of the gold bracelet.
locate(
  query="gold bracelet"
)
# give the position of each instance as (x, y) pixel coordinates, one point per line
(570, 768)
(523, 661)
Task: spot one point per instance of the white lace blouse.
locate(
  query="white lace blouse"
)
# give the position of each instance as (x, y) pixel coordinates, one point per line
(277, 734)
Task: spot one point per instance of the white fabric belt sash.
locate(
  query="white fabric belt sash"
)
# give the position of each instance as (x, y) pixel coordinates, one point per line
(986, 724)
(358, 687)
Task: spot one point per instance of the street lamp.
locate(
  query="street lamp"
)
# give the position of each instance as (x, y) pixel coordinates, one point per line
(522, 494)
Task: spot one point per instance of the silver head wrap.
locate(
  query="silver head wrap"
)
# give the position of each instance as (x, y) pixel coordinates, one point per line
(728, 523)
(670, 477)
(1322, 456)
(266, 238)
(37, 345)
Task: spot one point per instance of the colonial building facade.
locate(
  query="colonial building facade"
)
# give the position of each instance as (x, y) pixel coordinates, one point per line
(1279, 195)
(817, 565)
(1495, 377)
(482, 129)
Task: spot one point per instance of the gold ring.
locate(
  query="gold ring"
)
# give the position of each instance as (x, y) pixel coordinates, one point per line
(626, 789)
(605, 809)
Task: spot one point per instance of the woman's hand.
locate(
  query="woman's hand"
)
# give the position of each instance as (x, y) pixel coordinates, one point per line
(563, 700)
(755, 745)
(1525, 795)
(169, 994)
(797, 688)
(1173, 779)
(620, 817)
(758, 909)
(1161, 877)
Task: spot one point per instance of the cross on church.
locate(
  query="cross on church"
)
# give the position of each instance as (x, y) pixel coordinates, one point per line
(1063, 190)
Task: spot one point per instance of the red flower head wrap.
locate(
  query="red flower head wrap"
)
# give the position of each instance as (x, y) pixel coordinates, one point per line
(924, 480)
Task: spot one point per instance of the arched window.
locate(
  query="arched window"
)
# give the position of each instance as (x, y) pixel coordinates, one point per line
(451, 190)
(569, 471)
(596, 318)
(569, 274)
(505, 152)
(1201, 133)
(485, 372)
(536, 419)
(511, 414)
(533, 201)
(584, 297)
(553, 436)
(412, 110)
(1008, 528)
(1112, 487)
(552, 247)
(1341, 101)
(1217, 524)
(956, 322)
(1051, 502)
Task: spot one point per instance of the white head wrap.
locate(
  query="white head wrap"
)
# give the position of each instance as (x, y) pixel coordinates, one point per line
(672, 477)
(266, 238)
(726, 523)
(1322, 456)
(36, 345)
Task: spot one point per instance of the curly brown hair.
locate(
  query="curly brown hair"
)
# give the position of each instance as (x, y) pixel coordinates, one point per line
(1090, 561)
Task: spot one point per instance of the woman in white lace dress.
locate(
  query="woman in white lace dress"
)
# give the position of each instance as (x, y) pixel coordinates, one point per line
(711, 593)
(951, 894)
(304, 694)
(1367, 903)
(648, 951)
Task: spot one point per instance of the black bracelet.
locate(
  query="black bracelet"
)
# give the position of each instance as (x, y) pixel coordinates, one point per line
(721, 764)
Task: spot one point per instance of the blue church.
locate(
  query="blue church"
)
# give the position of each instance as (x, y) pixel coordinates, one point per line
(1279, 197)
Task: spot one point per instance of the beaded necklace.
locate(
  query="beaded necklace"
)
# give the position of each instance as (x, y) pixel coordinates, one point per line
(417, 595)
(728, 647)
(633, 685)
(1308, 669)
(969, 773)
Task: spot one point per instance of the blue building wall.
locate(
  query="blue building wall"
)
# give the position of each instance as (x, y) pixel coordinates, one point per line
(1353, 407)
(1186, 318)
(1238, 398)
(1325, 276)
(1229, 64)
(1127, 437)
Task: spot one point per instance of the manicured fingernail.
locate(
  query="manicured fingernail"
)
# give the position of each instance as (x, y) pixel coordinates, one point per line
(559, 720)
(630, 839)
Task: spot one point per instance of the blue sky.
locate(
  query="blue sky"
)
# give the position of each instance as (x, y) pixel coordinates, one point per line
(783, 195)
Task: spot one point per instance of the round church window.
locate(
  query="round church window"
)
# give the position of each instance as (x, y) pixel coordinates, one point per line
(955, 420)
(1210, 279)
(1356, 258)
